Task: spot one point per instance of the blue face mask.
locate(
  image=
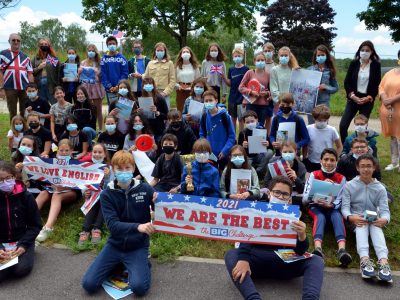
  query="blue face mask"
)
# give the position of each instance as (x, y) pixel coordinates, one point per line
(66, 157)
(138, 127)
(283, 60)
(288, 156)
(198, 91)
(72, 127)
(91, 54)
(148, 87)
(321, 59)
(97, 161)
(111, 128)
(237, 59)
(19, 127)
(209, 105)
(71, 56)
(112, 48)
(137, 51)
(123, 91)
(123, 177)
(268, 54)
(237, 160)
(260, 64)
(160, 55)
(31, 95)
(25, 150)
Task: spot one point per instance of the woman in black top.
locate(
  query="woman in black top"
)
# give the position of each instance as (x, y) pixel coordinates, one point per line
(361, 84)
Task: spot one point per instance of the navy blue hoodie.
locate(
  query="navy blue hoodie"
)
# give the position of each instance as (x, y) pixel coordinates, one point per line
(124, 211)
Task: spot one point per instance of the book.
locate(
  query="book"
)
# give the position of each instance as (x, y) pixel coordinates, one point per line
(117, 285)
(370, 216)
(70, 72)
(289, 256)
(240, 181)
(125, 107)
(286, 132)
(146, 103)
(324, 190)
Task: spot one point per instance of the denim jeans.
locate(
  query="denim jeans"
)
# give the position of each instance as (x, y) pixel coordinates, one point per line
(377, 237)
(135, 261)
(320, 216)
(91, 135)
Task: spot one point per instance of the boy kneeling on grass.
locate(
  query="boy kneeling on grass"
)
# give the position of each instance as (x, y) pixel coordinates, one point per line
(126, 209)
(260, 261)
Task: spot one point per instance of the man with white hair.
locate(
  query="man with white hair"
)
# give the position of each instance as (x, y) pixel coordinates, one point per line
(15, 74)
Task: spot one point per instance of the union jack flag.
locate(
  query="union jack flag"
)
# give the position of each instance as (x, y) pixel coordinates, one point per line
(16, 74)
(52, 60)
(118, 34)
(216, 69)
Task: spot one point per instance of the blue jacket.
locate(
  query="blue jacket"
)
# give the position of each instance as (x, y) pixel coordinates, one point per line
(371, 138)
(112, 70)
(124, 211)
(301, 136)
(221, 139)
(205, 180)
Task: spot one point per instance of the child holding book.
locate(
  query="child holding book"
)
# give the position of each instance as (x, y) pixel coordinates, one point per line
(252, 261)
(321, 210)
(361, 194)
(15, 134)
(19, 229)
(204, 176)
(238, 160)
(168, 169)
(130, 226)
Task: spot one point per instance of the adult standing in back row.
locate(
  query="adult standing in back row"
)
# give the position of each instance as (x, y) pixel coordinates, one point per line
(114, 68)
(361, 83)
(15, 74)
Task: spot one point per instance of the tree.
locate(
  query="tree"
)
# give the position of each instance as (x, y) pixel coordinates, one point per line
(382, 12)
(8, 3)
(301, 25)
(178, 18)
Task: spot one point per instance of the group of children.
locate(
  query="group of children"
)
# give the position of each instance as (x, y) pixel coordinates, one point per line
(307, 153)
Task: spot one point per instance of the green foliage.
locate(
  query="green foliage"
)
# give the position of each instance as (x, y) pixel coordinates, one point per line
(382, 13)
(176, 17)
(60, 37)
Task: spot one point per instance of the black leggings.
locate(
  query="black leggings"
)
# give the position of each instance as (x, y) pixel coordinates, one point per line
(94, 218)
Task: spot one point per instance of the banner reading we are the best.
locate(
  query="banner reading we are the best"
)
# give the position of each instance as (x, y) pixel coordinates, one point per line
(67, 173)
(226, 219)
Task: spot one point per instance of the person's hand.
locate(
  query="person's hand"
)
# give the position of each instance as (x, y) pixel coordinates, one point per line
(133, 148)
(57, 188)
(244, 103)
(243, 196)
(114, 89)
(87, 194)
(19, 166)
(264, 93)
(106, 171)
(147, 228)
(322, 87)
(254, 93)
(153, 108)
(54, 138)
(329, 180)
(324, 203)
(174, 190)
(19, 251)
(154, 147)
(276, 145)
(387, 102)
(234, 196)
(358, 220)
(188, 179)
(44, 155)
(380, 222)
(300, 228)
(63, 79)
(114, 112)
(4, 254)
(221, 156)
(291, 174)
(42, 65)
(163, 94)
(240, 270)
(2, 93)
(138, 177)
(265, 143)
(79, 156)
(29, 108)
(245, 144)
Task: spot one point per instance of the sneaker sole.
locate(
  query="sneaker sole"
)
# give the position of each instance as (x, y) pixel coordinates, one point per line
(367, 277)
(383, 280)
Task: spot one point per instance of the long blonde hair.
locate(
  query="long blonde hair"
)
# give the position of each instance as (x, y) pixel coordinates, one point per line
(166, 54)
(293, 64)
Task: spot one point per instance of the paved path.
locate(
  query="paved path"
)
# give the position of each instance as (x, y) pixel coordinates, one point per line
(57, 275)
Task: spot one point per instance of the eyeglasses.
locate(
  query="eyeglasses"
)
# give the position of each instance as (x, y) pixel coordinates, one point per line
(280, 194)
(9, 178)
(360, 147)
(16, 41)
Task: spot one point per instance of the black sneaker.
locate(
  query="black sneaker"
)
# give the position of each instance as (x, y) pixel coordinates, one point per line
(318, 251)
(344, 257)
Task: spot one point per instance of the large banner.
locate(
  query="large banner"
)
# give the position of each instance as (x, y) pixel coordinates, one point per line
(304, 86)
(67, 173)
(226, 219)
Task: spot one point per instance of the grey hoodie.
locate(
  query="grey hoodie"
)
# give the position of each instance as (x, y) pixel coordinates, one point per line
(358, 197)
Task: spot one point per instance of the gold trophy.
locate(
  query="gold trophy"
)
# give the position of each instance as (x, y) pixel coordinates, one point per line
(187, 159)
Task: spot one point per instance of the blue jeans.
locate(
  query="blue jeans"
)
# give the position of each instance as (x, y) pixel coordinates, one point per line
(44, 92)
(320, 216)
(135, 261)
(91, 135)
(264, 263)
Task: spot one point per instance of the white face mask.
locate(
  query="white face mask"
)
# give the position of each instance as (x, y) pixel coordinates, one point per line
(328, 172)
(213, 54)
(321, 124)
(277, 200)
(360, 128)
(364, 55)
(185, 56)
(202, 157)
(251, 126)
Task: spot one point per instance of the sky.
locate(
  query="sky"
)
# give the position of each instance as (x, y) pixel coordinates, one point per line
(350, 31)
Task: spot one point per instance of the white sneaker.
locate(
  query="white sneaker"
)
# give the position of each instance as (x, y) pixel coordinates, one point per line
(44, 234)
(237, 245)
(391, 167)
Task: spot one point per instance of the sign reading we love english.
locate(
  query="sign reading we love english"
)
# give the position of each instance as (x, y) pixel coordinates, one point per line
(226, 219)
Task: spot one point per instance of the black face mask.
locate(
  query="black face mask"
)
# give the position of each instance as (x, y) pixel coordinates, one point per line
(45, 48)
(285, 109)
(168, 149)
(34, 125)
(176, 125)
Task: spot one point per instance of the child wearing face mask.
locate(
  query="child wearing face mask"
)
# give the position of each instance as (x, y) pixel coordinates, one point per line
(321, 210)
(111, 138)
(58, 113)
(180, 129)
(77, 137)
(94, 218)
(204, 176)
(37, 105)
(361, 130)
(322, 136)
(137, 66)
(130, 226)
(19, 229)
(238, 160)
(167, 171)
(199, 86)
(70, 84)
(42, 135)
(26, 147)
(15, 134)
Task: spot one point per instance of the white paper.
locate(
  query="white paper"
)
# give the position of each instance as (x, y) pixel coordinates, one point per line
(240, 181)
(286, 131)
(196, 109)
(33, 190)
(145, 103)
(255, 145)
(144, 164)
(260, 132)
(8, 264)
